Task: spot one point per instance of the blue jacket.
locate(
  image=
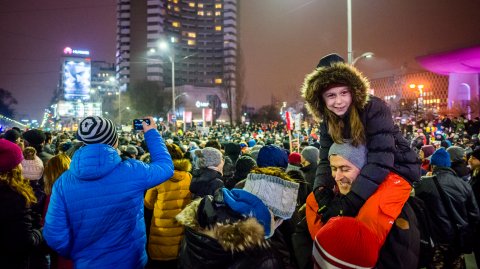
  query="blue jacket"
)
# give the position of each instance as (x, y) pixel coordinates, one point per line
(95, 215)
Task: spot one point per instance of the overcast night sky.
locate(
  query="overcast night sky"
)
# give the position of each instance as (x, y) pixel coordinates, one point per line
(281, 40)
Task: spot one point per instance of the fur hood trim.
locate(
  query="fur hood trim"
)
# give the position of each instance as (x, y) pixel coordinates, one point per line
(338, 73)
(240, 236)
(182, 165)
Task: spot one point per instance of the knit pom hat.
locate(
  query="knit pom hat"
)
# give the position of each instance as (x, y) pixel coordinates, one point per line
(456, 153)
(208, 157)
(271, 155)
(247, 204)
(12, 135)
(97, 130)
(295, 158)
(441, 158)
(356, 155)
(330, 59)
(10, 155)
(345, 242)
(32, 169)
(251, 143)
(311, 154)
(34, 136)
(243, 166)
(278, 194)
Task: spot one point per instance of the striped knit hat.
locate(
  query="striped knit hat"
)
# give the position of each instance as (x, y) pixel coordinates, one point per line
(97, 130)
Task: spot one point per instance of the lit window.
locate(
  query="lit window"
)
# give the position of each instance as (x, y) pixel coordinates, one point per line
(173, 39)
(169, 6)
(191, 4)
(200, 13)
(191, 42)
(209, 13)
(177, 9)
(192, 34)
(218, 13)
(218, 28)
(200, 5)
(175, 1)
(175, 24)
(218, 5)
(218, 81)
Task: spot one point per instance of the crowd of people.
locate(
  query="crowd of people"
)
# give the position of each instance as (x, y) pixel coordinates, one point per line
(356, 189)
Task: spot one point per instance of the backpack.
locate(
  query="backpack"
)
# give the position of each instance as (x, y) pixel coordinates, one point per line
(424, 225)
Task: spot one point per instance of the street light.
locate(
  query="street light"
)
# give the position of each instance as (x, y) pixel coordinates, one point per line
(366, 55)
(349, 30)
(164, 46)
(420, 96)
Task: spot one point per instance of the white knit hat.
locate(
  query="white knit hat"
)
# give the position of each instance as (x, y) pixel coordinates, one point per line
(278, 194)
(32, 169)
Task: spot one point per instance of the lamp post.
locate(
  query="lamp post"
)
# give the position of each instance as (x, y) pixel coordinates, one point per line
(419, 99)
(366, 55)
(164, 46)
(349, 30)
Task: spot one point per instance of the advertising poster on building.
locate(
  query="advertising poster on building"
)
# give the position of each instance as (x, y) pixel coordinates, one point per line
(76, 79)
(187, 116)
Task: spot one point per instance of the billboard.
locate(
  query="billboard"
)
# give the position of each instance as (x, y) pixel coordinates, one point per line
(76, 78)
(78, 109)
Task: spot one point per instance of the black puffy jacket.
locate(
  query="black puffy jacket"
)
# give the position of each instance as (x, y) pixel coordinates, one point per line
(205, 181)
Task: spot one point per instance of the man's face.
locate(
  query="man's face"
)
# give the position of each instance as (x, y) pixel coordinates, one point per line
(344, 173)
(474, 162)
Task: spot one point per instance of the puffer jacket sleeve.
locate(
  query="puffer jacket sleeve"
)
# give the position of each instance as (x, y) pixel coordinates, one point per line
(150, 198)
(379, 130)
(57, 231)
(323, 176)
(161, 167)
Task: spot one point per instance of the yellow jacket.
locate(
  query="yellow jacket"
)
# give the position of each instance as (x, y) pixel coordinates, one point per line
(167, 200)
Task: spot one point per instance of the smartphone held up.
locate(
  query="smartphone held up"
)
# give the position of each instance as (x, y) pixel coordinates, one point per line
(137, 124)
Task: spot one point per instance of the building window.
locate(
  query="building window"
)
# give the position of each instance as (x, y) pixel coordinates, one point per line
(209, 13)
(175, 24)
(191, 4)
(176, 9)
(218, 28)
(200, 5)
(173, 39)
(191, 42)
(192, 34)
(218, 5)
(218, 13)
(175, 1)
(200, 13)
(218, 81)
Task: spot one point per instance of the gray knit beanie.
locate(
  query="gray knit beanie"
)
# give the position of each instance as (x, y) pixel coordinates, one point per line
(456, 153)
(208, 157)
(310, 154)
(356, 155)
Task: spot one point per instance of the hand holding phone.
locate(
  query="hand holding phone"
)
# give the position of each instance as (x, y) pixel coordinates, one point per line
(144, 124)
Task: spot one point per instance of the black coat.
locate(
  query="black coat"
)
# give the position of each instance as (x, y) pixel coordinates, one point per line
(205, 181)
(461, 169)
(382, 140)
(462, 201)
(18, 235)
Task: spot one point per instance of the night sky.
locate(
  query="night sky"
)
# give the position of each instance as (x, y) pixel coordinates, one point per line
(281, 40)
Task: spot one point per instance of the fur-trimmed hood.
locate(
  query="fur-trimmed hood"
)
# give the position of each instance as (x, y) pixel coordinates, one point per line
(246, 234)
(182, 165)
(338, 73)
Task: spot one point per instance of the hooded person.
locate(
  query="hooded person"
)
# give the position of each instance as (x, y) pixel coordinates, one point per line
(208, 177)
(95, 216)
(458, 159)
(36, 138)
(167, 200)
(236, 228)
(338, 94)
(309, 160)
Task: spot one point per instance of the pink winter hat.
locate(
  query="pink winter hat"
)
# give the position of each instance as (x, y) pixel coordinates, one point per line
(10, 155)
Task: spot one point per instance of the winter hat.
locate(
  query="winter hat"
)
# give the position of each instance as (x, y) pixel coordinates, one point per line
(208, 157)
(10, 155)
(97, 130)
(428, 150)
(330, 59)
(175, 151)
(12, 135)
(251, 143)
(132, 150)
(311, 154)
(476, 154)
(440, 158)
(243, 166)
(272, 155)
(247, 204)
(243, 145)
(345, 242)
(34, 136)
(295, 158)
(279, 194)
(456, 153)
(32, 169)
(356, 155)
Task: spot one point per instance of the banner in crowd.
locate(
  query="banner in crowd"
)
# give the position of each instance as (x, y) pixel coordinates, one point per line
(207, 114)
(187, 116)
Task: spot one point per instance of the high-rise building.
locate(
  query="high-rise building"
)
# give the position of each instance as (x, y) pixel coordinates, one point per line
(202, 40)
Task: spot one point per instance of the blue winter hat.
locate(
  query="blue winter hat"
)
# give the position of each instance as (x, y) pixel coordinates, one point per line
(251, 143)
(441, 158)
(272, 155)
(248, 204)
